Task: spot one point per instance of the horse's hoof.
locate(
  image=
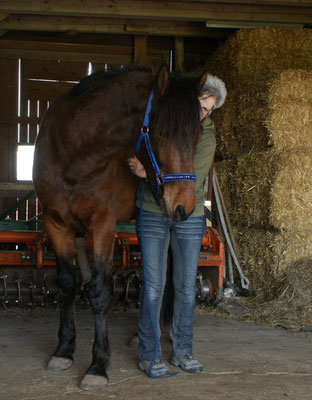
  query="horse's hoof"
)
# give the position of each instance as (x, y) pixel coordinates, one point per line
(59, 364)
(93, 382)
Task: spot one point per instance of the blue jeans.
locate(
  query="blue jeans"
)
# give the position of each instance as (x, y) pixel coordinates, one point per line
(185, 239)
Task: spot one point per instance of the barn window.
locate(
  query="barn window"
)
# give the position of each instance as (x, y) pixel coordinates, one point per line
(29, 108)
(24, 162)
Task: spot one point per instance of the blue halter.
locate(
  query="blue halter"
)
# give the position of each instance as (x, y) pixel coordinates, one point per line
(144, 135)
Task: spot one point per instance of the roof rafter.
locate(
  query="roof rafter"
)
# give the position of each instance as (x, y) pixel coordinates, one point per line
(274, 11)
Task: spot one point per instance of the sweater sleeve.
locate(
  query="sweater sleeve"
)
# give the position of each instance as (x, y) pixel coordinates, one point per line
(204, 154)
(205, 150)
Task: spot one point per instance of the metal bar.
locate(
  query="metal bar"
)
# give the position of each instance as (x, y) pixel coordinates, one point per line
(16, 205)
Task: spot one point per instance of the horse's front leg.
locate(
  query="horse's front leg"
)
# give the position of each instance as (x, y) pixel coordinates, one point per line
(64, 247)
(99, 292)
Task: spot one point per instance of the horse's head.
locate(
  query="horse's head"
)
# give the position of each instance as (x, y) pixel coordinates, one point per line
(174, 131)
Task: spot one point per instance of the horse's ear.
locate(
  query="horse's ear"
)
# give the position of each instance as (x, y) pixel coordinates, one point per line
(162, 81)
(202, 81)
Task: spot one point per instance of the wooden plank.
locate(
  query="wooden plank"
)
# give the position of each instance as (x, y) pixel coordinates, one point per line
(32, 129)
(175, 9)
(4, 153)
(44, 91)
(64, 56)
(12, 153)
(54, 70)
(140, 49)
(179, 54)
(88, 49)
(4, 87)
(23, 134)
(109, 25)
(43, 105)
(31, 208)
(13, 101)
(14, 119)
(99, 66)
(20, 186)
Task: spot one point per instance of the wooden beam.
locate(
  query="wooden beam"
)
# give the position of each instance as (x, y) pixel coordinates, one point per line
(65, 47)
(140, 49)
(179, 54)
(109, 25)
(66, 56)
(65, 51)
(9, 186)
(159, 9)
(298, 3)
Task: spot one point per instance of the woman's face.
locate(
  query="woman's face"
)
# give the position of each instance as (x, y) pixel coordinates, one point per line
(206, 105)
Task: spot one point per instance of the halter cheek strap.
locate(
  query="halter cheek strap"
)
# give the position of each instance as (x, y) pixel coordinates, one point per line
(144, 136)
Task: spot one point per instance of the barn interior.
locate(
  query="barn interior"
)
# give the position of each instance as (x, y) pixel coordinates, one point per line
(255, 266)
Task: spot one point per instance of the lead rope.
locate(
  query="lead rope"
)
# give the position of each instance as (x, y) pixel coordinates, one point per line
(149, 305)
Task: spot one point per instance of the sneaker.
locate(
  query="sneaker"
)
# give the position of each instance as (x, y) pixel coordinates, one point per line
(188, 363)
(159, 369)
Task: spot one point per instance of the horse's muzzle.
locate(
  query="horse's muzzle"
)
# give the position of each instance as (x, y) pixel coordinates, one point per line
(179, 214)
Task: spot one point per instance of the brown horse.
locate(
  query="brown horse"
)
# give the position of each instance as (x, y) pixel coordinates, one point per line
(83, 181)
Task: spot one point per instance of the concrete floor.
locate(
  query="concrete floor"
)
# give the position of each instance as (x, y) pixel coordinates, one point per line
(241, 361)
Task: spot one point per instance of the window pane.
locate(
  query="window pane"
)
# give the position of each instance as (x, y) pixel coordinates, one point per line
(24, 161)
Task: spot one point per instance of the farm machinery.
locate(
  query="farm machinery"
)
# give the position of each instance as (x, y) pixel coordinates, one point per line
(28, 266)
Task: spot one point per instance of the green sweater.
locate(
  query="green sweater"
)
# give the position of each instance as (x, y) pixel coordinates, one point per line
(203, 158)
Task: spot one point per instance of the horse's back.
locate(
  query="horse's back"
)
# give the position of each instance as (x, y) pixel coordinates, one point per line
(81, 150)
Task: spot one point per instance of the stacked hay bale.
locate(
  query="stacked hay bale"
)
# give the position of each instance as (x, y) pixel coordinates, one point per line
(265, 145)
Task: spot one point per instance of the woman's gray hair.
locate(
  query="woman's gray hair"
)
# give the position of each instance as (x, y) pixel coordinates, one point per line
(215, 87)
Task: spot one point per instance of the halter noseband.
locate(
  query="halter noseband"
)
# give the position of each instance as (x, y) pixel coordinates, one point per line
(144, 135)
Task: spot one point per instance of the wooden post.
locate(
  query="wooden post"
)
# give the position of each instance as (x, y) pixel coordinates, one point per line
(179, 54)
(140, 49)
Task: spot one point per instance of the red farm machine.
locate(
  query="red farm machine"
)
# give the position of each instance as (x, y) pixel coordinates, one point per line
(28, 267)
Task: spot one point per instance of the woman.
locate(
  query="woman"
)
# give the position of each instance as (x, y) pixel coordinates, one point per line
(185, 239)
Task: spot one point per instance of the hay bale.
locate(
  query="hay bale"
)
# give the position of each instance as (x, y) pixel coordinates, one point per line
(275, 115)
(291, 192)
(258, 260)
(292, 306)
(225, 171)
(290, 104)
(240, 122)
(228, 144)
(269, 189)
(267, 255)
(266, 126)
(249, 62)
(258, 55)
(291, 249)
(252, 187)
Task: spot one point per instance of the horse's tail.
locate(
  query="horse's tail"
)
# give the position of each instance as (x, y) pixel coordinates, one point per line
(167, 305)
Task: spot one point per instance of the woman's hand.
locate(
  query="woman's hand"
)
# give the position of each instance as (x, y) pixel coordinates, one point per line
(136, 167)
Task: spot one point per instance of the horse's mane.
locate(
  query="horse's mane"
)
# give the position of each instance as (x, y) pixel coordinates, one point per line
(102, 77)
(176, 115)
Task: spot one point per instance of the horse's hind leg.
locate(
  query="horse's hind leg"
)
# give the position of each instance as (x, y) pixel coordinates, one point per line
(63, 242)
(99, 292)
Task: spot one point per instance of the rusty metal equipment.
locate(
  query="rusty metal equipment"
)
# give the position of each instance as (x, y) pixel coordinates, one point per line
(28, 267)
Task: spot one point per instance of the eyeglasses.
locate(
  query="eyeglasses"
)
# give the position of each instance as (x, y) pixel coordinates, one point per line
(204, 109)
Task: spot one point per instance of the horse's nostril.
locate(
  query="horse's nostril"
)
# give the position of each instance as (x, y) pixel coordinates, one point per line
(179, 213)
